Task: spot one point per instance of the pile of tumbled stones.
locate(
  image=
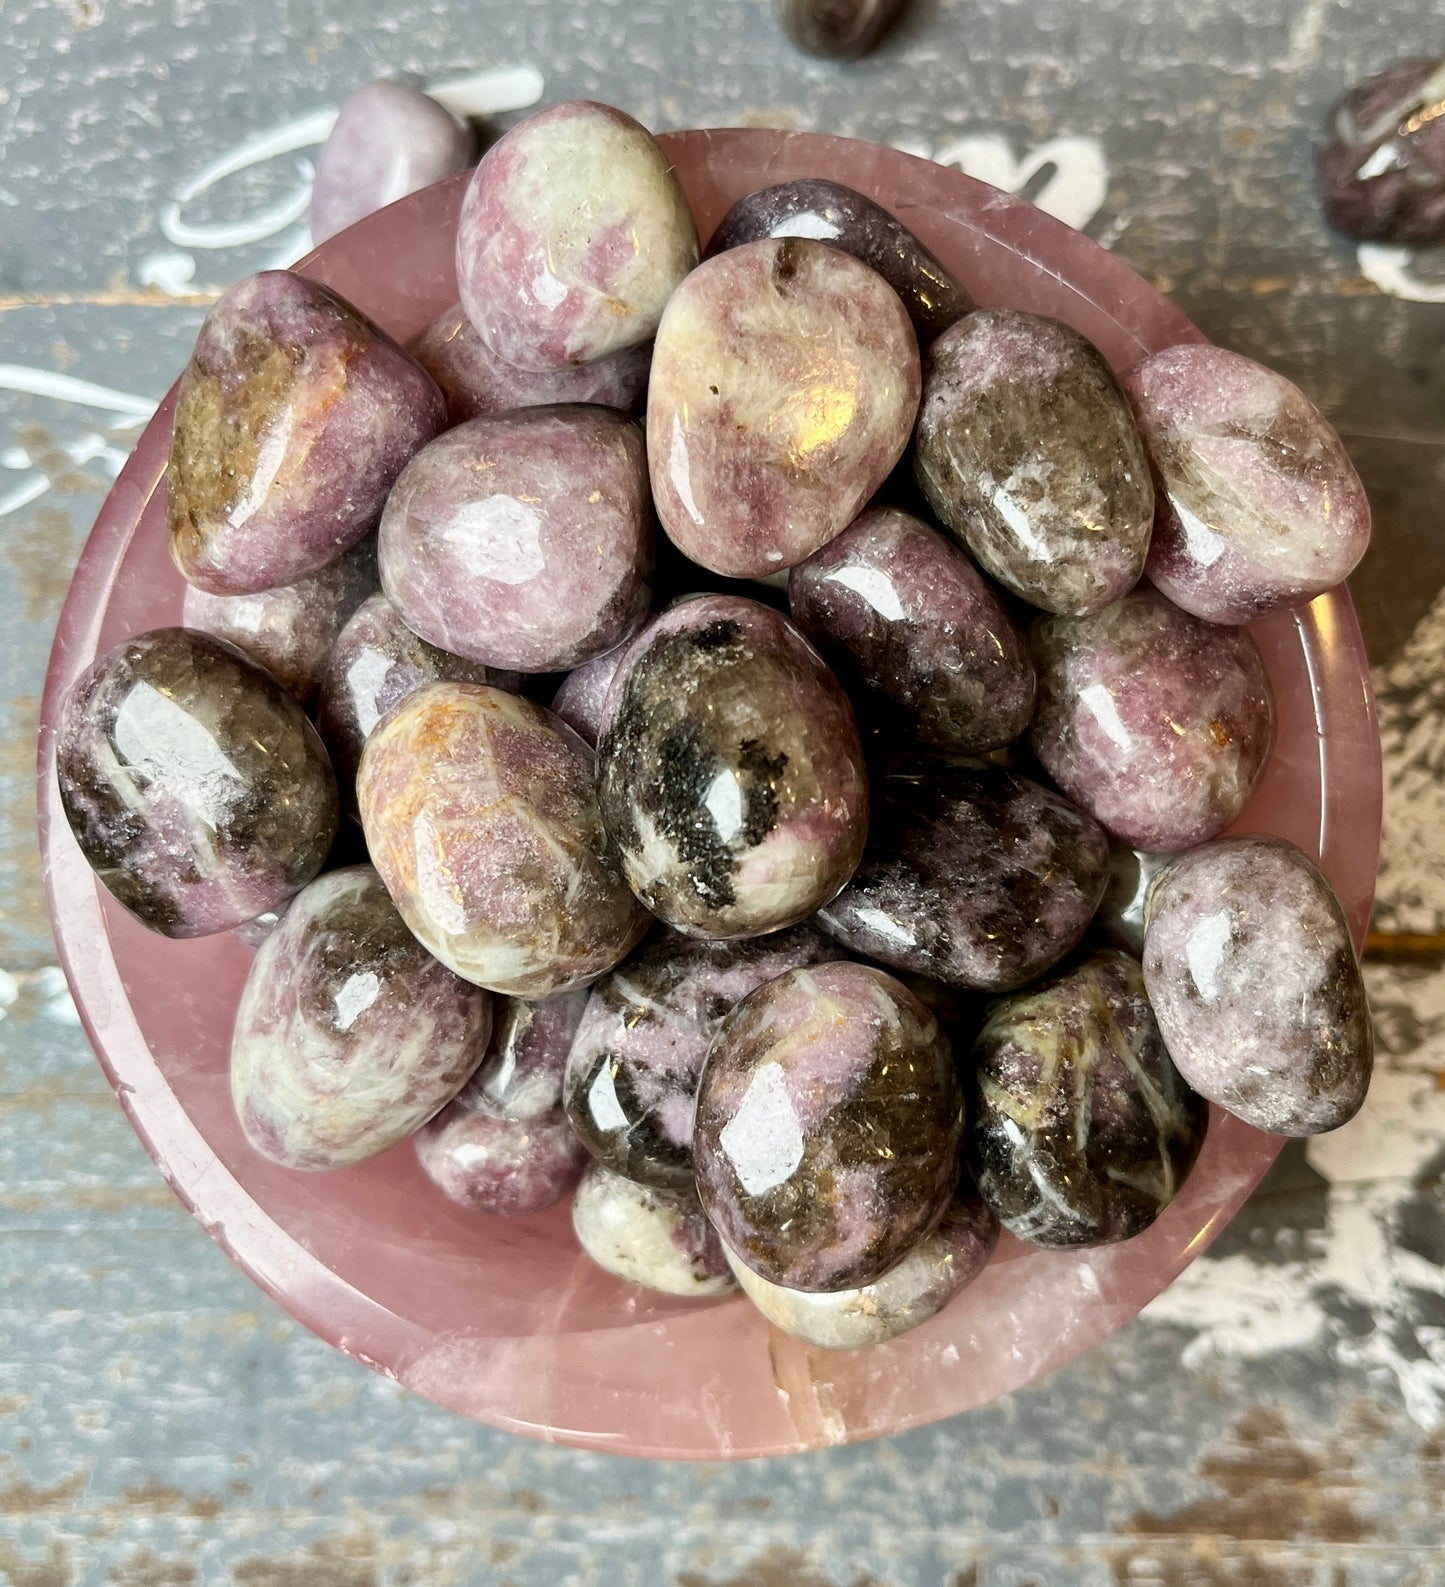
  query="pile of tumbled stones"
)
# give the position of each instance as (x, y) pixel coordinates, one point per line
(778, 936)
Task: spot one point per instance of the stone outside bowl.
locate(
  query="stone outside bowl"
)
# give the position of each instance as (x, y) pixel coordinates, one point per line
(505, 1320)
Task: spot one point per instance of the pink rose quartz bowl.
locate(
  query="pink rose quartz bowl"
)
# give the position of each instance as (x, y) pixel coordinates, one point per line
(505, 1320)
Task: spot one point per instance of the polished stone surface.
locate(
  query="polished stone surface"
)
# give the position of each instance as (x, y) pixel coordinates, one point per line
(477, 384)
(389, 140)
(581, 697)
(1256, 985)
(657, 1239)
(831, 213)
(193, 783)
(525, 540)
(916, 633)
(574, 233)
(1132, 872)
(828, 1127)
(1158, 724)
(634, 1065)
(1027, 452)
(730, 771)
(294, 417)
(521, 1076)
(480, 813)
(843, 29)
(1258, 503)
(785, 383)
(973, 876)
(1081, 1130)
(508, 1167)
(349, 1035)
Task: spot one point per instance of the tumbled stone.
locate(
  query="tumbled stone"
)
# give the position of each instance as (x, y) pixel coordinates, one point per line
(913, 628)
(1382, 175)
(573, 235)
(828, 1127)
(289, 631)
(581, 697)
(785, 382)
(973, 876)
(389, 140)
(375, 663)
(1082, 1130)
(1259, 505)
(294, 417)
(524, 540)
(252, 933)
(480, 813)
(840, 28)
(1028, 453)
(478, 384)
(348, 1035)
(940, 1266)
(193, 783)
(831, 213)
(633, 1071)
(1158, 724)
(521, 1077)
(730, 771)
(1254, 980)
(658, 1239)
(1121, 914)
(492, 1164)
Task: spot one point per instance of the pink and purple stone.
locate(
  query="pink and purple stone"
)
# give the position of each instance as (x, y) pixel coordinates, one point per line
(488, 1163)
(573, 235)
(1156, 723)
(294, 417)
(522, 1075)
(785, 383)
(828, 1127)
(581, 697)
(1259, 505)
(524, 541)
(193, 783)
(349, 1035)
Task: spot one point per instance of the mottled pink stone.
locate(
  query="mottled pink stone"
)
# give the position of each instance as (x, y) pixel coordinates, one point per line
(389, 140)
(1258, 503)
(481, 815)
(658, 1239)
(349, 1035)
(1255, 984)
(524, 540)
(477, 384)
(581, 697)
(294, 417)
(785, 383)
(289, 631)
(1158, 724)
(828, 1127)
(912, 627)
(491, 1164)
(521, 1076)
(573, 235)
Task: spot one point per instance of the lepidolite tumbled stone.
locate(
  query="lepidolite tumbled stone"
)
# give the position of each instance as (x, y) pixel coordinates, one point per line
(581, 697)
(785, 382)
(488, 1163)
(375, 663)
(658, 1239)
(1132, 874)
(349, 1035)
(634, 1065)
(939, 1267)
(1028, 453)
(844, 29)
(1258, 503)
(480, 812)
(828, 1127)
(1082, 1131)
(1255, 983)
(521, 1076)
(295, 416)
(1382, 175)
(193, 783)
(477, 384)
(389, 140)
(289, 631)
(730, 771)
(911, 626)
(573, 235)
(831, 213)
(525, 540)
(973, 876)
(1156, 723)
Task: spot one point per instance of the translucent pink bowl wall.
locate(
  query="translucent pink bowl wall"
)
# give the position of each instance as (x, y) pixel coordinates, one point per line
(505, 1321)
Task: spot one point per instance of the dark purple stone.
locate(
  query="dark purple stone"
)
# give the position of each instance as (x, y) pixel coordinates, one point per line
(843, 29)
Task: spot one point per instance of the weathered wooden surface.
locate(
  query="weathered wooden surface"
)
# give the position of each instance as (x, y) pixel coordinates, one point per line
(1278, 1418)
